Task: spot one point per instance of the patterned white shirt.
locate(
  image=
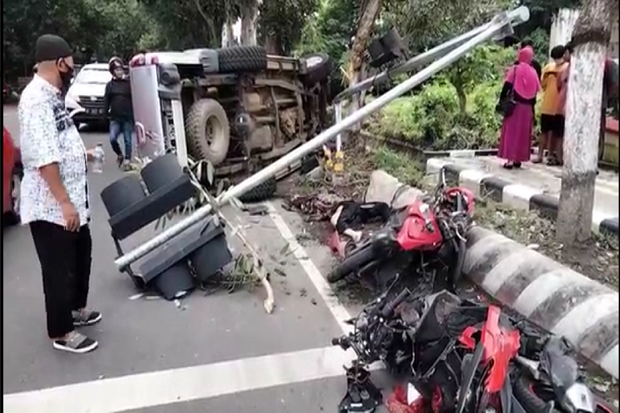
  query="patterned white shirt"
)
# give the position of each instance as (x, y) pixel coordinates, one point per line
(48, 135)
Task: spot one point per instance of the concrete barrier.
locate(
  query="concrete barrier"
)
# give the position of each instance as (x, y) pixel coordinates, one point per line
(544, 291)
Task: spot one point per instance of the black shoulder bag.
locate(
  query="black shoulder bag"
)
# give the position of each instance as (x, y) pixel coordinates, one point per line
(506, 104)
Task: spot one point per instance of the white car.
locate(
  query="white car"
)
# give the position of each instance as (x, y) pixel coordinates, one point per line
(85, 96)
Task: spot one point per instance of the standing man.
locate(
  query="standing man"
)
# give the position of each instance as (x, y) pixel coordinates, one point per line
(118, 107)
(550, 123)
(54, 196)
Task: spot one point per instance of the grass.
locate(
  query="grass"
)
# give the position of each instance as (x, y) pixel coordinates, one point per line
(405, 168)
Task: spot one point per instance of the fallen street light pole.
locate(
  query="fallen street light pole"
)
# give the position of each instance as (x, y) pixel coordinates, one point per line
(501, 24)
(515, 16)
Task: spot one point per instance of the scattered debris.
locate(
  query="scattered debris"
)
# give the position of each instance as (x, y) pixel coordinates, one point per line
(259, 209)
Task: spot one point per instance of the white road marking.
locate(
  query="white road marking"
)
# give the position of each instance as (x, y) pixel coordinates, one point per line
(340, 313)
(183, 384)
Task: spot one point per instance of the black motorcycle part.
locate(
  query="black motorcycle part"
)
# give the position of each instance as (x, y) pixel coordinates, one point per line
(506, 397)
(358, 259)
(523, 389)
(468, 373)
(457, 269)
(388, 309)
(362, 395)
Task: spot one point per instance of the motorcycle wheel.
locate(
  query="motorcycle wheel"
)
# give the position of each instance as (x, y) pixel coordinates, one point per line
(357, 259)
(524, 390)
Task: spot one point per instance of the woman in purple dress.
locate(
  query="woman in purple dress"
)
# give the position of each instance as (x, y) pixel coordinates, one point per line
(522, 81)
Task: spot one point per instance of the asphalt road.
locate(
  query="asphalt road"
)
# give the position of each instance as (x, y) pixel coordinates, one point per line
(215, 353)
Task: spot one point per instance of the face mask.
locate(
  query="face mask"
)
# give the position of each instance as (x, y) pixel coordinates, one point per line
(65, 78)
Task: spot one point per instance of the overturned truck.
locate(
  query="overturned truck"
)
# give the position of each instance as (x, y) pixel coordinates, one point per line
(238, 108)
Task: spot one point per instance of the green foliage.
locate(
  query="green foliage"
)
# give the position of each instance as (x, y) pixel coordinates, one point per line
(436, 119)
(281, 20)
(427, 23)
(185, 24)
(399, 165)
(432, 120)
(101, 28)
(540, 37)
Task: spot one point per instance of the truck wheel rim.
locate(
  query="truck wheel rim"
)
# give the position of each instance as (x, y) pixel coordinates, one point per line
(313, 61)
(214, 131)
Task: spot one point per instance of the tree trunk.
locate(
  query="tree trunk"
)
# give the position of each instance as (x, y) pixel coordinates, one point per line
(228, 35)
(583, 117)
(273, 45)
(360, 43)
(460, 94)
(249, 20)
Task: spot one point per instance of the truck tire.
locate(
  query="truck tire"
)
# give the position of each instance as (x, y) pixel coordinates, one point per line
(320, 66)
(260, 192)
(242, 59)
(202, 144)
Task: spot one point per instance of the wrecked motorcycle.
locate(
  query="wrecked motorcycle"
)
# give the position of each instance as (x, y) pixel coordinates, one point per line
(462, 357)
(455, 356)
(554, 382)
(427, 237)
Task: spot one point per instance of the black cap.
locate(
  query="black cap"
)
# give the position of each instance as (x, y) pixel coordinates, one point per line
(51, 47)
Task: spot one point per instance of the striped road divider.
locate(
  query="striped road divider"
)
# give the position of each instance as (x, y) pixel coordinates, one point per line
(545, 292)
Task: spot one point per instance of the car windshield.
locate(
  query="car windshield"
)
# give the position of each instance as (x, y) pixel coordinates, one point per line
(93, 76)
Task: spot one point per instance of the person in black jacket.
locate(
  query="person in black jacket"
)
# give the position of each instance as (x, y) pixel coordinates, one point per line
(119, 109)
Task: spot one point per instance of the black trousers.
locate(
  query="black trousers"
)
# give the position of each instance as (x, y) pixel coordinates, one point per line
(65, 259)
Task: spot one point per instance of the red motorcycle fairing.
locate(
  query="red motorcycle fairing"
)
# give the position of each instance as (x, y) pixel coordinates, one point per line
(420, 230)
(500, 346)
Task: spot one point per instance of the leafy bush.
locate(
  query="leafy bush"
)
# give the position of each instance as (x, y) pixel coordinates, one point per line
(432, 120)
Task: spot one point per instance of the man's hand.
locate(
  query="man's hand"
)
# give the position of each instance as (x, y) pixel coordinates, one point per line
(90, 155)
(71, 216)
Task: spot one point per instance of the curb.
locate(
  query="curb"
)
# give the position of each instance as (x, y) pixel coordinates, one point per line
(516, 195)
(552, 296)
(547, 293)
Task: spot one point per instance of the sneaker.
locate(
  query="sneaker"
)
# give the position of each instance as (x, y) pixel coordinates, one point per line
(76, 343)
(86, 318)
(119, 160)
(126, 165)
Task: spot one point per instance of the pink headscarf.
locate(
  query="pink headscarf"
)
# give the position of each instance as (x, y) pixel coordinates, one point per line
(525, 82)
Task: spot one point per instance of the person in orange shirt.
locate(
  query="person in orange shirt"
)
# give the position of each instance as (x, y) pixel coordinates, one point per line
(562, 88)
(550, 123)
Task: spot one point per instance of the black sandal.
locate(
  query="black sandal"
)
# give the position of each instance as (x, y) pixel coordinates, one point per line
(517, 165)
(508, 165)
